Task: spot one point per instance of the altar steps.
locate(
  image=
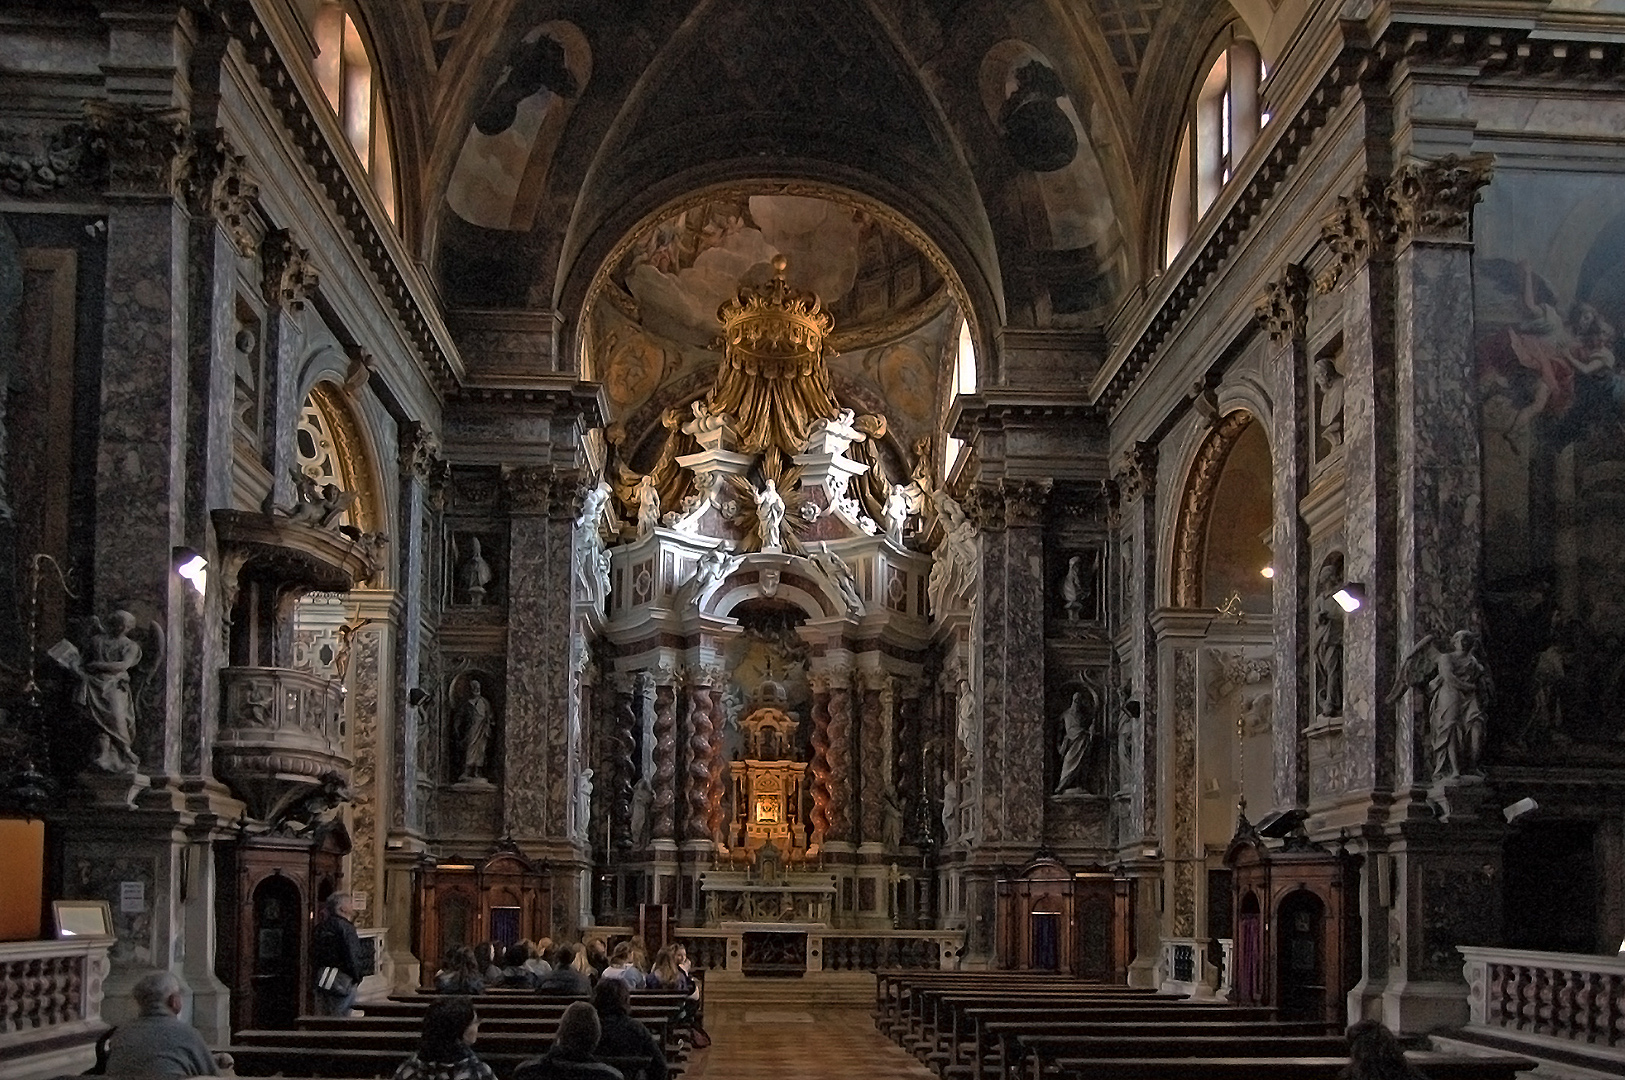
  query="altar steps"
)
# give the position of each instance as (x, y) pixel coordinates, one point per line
(820, 988)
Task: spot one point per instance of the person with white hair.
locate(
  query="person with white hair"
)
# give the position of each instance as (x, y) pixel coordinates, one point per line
(336, 957)
(158, 1042)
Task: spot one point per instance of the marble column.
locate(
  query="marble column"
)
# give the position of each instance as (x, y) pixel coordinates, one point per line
(841, 786)
(871, 787)
(715, 821)
(663, 811)
(623, 756)
(819, 766)
(1284, 314)
(1010, 518)
(698, 748)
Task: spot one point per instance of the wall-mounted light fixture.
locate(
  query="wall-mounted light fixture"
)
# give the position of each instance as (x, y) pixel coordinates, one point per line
(193, 567)
(1351, 597)
(1268, 572)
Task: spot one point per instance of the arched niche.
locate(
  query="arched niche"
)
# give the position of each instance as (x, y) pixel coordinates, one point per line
(1221, 538)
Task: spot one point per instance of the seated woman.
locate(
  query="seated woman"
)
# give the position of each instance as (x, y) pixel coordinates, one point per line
(671, 972)
(571, 1057)
(446, 1052)
(623, 966)
(625, 1036)
(460, 974)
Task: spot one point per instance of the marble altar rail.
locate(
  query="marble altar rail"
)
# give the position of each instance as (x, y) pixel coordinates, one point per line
(1552, 1000)
(827, 948)
(50, 1004)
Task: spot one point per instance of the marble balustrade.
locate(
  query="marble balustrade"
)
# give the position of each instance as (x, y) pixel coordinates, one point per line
(1547, 999)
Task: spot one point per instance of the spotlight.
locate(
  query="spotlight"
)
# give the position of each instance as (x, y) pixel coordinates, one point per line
(1268, 571)
(1351, 597)
(193, 567)
(1518, 809)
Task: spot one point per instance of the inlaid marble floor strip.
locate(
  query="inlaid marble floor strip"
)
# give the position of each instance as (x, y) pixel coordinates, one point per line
(821, 1043)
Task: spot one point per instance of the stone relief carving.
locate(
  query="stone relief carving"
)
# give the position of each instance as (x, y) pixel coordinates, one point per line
(839, 574)
(315, 503)
(1136, 473)
(287, 276)
(1456, 686)
(1283, 311)
(1250, 675)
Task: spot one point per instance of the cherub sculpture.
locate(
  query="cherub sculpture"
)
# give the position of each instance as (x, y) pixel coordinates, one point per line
(318, 504)
(1457, 685)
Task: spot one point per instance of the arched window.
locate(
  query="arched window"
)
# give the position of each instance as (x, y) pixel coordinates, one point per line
(349, 79)
(964, 383)
(1221, 126)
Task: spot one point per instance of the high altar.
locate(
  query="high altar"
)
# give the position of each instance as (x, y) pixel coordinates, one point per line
(765, 645)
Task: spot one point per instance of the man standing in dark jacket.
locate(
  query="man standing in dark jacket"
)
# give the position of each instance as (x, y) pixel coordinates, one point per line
(335, 961)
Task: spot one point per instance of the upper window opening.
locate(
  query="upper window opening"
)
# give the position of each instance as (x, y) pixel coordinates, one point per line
(348, 77)
(964, 383)
(1221, 126)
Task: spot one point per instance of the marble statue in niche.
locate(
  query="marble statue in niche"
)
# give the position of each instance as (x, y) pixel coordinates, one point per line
(106, 694)
(770, 516)
(1078, 726)
(1329, 414)
(647, 496)
(474, 575)
(475, 716)
(1456, 685)
(1080, 588)
(1326, 639)
(965, 720)
(1128, 718)
(891, 822)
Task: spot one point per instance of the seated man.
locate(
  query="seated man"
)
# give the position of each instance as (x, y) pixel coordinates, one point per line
(159, 1042)
(564, 978)
(571, 1057)
(624, 1035)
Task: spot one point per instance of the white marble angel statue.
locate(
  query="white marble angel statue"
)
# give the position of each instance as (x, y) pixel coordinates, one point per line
(648, 498)
(1457, 686)
(896, 514)
(714, 565)
(835, 568)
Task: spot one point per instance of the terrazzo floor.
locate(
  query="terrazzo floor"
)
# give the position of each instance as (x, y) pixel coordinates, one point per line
(782, 1042)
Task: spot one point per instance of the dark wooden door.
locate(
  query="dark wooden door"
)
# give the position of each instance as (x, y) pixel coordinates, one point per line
(274, 985)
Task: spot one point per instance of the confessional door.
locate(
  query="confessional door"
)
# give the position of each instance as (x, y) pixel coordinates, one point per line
(274, 983)
(1095, 905)
(1301, 927)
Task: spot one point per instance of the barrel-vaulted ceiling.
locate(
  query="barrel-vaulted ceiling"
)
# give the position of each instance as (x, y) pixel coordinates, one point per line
(1012, 151)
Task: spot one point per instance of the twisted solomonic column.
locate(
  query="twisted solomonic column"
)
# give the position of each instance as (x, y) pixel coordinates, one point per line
(714, 823)
(820, 757)
(663, 812)
(872, 766)
(623, 775)
(697, 758)
(840, 756)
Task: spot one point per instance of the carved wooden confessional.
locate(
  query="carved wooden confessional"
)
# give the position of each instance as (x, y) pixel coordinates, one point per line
(270, 894)
(502, 897)
(1055, 919)
(1297, 922)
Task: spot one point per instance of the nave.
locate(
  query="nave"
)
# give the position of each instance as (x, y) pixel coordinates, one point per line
(790, 1041)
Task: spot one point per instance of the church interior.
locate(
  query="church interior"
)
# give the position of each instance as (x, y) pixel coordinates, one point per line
(1126, 490)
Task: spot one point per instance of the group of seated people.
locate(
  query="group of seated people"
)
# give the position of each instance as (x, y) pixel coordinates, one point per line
(562, 968)
(586, 1033)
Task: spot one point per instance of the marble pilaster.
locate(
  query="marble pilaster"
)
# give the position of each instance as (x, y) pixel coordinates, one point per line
(1135, 481)
(1011, 639)
(819, 766)
(420, 462)
(1284, 315)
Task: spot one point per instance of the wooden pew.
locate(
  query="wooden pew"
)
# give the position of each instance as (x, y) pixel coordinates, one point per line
(344, 1063)
(995, 1031)
(924, 1003)
(1435, 1066)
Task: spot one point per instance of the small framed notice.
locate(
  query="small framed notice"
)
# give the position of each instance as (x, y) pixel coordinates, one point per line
(360, 900)
(83, 918)
(132, 897)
